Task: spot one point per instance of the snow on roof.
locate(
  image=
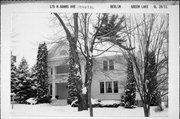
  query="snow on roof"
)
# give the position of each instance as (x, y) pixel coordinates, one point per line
(98, 50)
(55, 46)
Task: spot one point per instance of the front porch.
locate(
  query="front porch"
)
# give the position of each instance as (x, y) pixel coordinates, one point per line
(59, 91)
(59, 94)
(58, 79)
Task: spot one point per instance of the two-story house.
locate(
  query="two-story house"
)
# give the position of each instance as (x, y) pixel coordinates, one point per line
(109, 74)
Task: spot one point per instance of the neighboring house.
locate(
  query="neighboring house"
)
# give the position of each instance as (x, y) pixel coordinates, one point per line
(13, 57)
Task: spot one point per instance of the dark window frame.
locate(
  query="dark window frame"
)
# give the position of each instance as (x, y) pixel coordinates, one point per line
(109, 87)
(111, 64)
(105, 65)
(115, 85)
(102, 87)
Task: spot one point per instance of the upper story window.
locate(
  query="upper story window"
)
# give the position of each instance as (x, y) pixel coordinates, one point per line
(111, 65)
(62, 69)
(63, 53)
(106, 65)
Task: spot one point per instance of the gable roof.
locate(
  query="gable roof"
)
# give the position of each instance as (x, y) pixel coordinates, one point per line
(54, 51)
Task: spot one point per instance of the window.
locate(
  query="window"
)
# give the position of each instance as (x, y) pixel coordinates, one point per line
(62, 69)
(109, 87)
(111, 65)
(105, 65)
(63, 52)
(101, 87)
(115, 87)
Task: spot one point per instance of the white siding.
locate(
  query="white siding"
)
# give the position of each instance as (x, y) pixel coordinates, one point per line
(118, 74)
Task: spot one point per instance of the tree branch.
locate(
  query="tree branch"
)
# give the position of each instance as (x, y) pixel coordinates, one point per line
(63, 24)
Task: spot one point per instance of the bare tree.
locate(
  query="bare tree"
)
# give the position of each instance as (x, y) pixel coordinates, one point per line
(145, 34)
(87, 51)
(148, 34)
(86, 45)
(102, 33)
(75, 72)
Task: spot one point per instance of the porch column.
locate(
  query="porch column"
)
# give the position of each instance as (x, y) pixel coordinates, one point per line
(53, 85)
(53, 90)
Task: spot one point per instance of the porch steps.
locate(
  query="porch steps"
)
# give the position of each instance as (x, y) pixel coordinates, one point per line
(59, 102)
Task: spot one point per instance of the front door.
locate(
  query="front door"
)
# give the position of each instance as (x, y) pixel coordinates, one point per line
(61, 90)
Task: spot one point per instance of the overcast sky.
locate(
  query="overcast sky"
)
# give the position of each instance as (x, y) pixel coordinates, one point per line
(28, 30)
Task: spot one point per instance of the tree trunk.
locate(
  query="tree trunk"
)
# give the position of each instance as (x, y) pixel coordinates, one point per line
(74, 70)
(89, 99)
(85, 101)
(86, 95)
(146, 105)
(82, 101)
(146, 110)
(89, 75)
(74, 79)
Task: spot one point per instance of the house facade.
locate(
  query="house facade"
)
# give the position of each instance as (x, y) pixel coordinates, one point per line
(109, 74)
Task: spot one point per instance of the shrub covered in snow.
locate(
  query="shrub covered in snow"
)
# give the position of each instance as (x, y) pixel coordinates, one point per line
(44, 99)
(122, 100)
(23, 87)
(14, 78)
(130, 88)
(109, 103)
(74, 103)
(99, 103)
(42, 74)
(160, 107)
(31, 101)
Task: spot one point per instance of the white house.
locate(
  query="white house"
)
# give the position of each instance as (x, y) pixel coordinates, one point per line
(109, 74)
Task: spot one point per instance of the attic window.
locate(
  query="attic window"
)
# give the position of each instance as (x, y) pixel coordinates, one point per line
(63, 52)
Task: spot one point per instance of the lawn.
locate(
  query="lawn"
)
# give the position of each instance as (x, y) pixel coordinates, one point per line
(68, 111)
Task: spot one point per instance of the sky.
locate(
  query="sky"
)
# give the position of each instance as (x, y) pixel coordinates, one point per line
(30, 29)
(27, 31)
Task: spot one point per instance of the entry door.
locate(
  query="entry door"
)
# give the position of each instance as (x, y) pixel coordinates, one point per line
(61, 90)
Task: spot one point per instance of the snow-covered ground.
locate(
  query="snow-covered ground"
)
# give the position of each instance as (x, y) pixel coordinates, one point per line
(68, 111)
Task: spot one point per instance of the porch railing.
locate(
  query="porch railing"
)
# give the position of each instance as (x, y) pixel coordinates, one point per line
(58, 76)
